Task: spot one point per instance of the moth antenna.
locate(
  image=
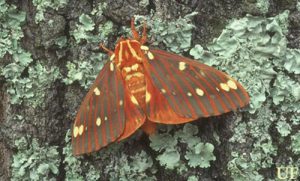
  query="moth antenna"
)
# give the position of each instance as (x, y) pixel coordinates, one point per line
(144, 35)
(135, 34)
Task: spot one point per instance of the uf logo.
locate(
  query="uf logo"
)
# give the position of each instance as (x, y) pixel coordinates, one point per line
(287, 173)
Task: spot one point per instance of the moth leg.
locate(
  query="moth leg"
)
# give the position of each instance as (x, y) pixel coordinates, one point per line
(144, 35)
(135, 34)
(110, 52)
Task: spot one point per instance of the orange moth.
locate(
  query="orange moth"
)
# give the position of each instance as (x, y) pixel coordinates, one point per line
(141, 86)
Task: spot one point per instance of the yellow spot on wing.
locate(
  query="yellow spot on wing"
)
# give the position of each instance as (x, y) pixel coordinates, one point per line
(111, 66)
(97, 91)
(121, 103)
(189, 94)
(182, 66)
(80, 129)
(163, 91)
(148, 96)
(225, 87)
(75, 131)
(150, 55)
(232, 84)
(143, 47)
(133, 100)
(98, 121)
(199, 92)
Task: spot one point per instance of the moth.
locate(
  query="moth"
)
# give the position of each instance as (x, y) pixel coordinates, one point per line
(141, 86)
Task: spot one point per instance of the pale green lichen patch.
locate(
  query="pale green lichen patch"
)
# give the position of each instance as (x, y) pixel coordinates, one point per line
(176, 35)
(263, 5)
(196, 154)
(74, 168)
(201, 155)
(254, 50)
(87, 33)
(286, 93)
(296, 143)
(42, 5)
(34, 162)
(33, 88)
(283, 128)
(247, 164)
(22, 84)
(84, 28)
(11, 20)
(246, 45)
(136, 167)
(84, 71)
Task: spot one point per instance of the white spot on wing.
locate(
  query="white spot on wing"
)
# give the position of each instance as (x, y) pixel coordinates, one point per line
(75, 131)
(80, 130)
(111, 66)
(148, 96)
(143, 47)
(225, 87)
(121, 103)
(182, 66)
(150, 55)
(199, 92)
(189, 94)
(163, 91)
(232, 84)
(97, 91)
(133, 100)
(98, 121)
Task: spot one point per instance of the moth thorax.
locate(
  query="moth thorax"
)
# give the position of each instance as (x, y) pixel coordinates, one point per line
(128, 51)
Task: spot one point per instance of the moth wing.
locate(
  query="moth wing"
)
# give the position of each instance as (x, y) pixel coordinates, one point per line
(185, 90)
(102, 116)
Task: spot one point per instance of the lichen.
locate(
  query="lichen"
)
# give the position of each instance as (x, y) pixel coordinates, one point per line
(283, 128)
(254, 51)
(263, 5)
(42, 5)
(296, 143)
(176, 35)
(136, 167)
(90, 63)
(84, 28)
(22, 84)
(34, 162)
(196, 153)
(74, 168)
